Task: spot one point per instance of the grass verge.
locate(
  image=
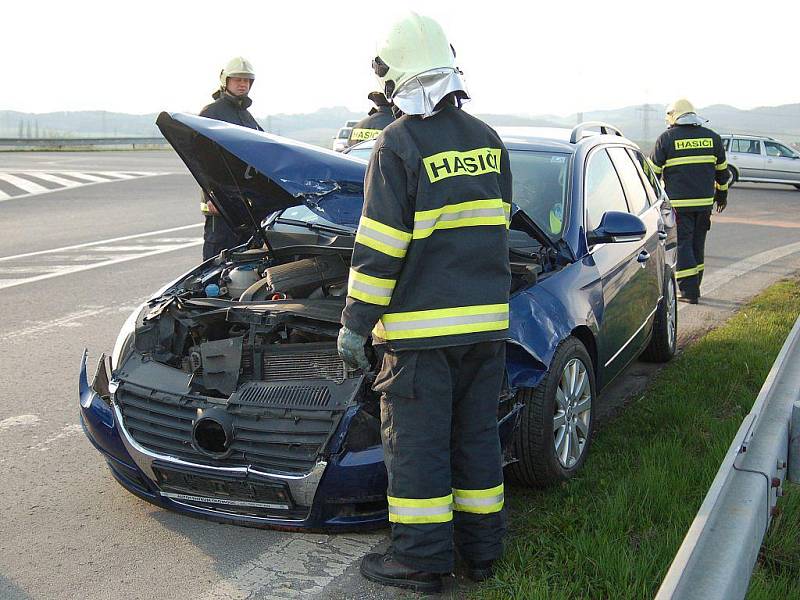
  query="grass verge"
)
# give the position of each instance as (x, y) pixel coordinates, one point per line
(613, 531)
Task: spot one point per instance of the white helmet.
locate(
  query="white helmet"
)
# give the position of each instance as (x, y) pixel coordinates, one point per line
(236, 67)
(677, 109)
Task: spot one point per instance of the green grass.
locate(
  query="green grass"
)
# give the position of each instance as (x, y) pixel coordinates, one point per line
(613, 531)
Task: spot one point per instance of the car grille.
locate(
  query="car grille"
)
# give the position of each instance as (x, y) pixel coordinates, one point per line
(296, 361)
(281, 427)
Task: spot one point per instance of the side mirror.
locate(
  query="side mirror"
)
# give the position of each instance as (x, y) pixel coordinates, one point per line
(617, 227)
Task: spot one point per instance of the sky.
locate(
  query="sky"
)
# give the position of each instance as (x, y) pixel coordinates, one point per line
(518, 57)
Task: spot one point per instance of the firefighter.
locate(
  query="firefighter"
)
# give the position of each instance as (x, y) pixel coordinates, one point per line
(231, 102)
(376, 120)
(430, 280)
(691, 159)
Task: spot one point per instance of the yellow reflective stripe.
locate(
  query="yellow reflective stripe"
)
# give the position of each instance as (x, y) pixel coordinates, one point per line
(555, 223)
(686, 273)
(685, 202)
(487, 493)
(492, 211)
(382, 238)
(204, 207)
(722, 166)
(372, 290)
(442, 321)
(693, 143)
(420, 510)
(690, 160)
(723, 187)
(701, 267)
(658, 170)
(359, 135)
(453, 163)
(479, 501)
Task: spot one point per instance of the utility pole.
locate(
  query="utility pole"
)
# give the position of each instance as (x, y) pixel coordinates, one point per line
(579, 118)
(646, 110)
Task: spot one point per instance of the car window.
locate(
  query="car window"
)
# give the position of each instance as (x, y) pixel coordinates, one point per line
(776, 149)
(648, 175)
(540, 187)
(726, 142)
(364, 153)
(602, 190)
(344, 132)
(631, 182)
(746, 146)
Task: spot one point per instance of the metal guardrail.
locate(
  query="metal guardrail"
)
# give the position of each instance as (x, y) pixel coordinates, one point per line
(80, 143)
(718, 554)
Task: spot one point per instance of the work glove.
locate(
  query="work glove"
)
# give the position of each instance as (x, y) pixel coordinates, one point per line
(351, 349)
(721, 200)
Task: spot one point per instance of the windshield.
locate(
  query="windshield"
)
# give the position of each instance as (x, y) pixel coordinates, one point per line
(540, 188)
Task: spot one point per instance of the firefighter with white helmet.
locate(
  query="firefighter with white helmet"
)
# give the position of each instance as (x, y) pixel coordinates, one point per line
(691, 159)
(231, 103)
(429, 281)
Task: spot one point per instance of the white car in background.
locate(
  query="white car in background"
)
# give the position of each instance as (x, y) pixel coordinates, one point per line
(761, 159)
(340, 139)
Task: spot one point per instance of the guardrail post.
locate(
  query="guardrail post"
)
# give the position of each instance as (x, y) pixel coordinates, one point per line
(794, 445)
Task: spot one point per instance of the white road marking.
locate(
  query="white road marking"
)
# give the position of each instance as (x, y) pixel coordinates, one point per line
(296, 567)
(87, 176)
(715, 280)
(53, 178)
(23, 184)
(18, 421)
(67, 431)
(3, 196)
(69, 320)
(99, 242)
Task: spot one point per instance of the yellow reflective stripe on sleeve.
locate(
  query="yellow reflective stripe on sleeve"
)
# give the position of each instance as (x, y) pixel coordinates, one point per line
(479, 501)
(463, 214)
(372, 290)
(701, 267)
(442, 321)
(656, 169)
(686, 273)
(204, 207)
(690, 160)
(453, 163)
(359, 135)
(382, 238)
(722, 166)
(723, 187)
(694, 143)
(420, 510)
(686, 202)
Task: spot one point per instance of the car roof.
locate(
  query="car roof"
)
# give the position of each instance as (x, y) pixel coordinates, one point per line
(748, 136)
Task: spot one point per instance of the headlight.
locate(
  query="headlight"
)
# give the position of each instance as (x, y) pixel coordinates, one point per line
(125, 338)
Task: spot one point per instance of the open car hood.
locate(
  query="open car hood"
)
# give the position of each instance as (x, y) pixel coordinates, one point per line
(250, 174)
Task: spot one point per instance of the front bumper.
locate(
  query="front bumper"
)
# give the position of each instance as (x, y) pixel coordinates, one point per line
(347, 492)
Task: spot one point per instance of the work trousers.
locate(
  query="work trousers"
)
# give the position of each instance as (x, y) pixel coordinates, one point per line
(442, 453)
(693, 226)
(217, 236)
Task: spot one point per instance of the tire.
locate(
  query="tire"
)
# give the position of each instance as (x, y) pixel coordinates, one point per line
(537, 436)
(664, 341)
(733, 178)
(797, 185)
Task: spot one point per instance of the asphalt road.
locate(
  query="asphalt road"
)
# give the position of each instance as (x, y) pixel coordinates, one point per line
(74, 261)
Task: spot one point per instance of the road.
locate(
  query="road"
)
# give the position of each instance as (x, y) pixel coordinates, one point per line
(74, 261)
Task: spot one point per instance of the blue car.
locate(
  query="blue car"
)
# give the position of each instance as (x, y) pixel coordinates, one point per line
(224, 396)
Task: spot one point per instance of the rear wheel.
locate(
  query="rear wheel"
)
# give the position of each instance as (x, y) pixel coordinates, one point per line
(664, 340)
(556, 424)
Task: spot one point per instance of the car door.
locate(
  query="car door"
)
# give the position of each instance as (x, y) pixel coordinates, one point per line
(619, 266)
(781, 162)
(745, 154)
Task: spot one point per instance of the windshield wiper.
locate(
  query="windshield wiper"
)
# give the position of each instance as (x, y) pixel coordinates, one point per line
(314, 226)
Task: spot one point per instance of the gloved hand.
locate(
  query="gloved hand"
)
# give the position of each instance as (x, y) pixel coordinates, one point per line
(351, 349)
(721, 200)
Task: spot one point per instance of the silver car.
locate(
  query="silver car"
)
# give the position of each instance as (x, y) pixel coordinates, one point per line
(761, 159)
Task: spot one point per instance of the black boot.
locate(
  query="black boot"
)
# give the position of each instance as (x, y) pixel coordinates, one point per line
(480, 570)
(384, 569)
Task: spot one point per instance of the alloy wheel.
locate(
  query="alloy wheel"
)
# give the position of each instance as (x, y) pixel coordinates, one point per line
(573, 412)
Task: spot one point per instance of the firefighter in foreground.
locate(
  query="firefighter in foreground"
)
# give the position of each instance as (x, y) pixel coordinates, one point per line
(691, 160)
(231, 102)
(430, 280)
(376, 120)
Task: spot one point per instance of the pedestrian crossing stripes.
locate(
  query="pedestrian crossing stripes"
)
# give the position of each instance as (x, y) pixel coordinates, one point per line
(26, 183)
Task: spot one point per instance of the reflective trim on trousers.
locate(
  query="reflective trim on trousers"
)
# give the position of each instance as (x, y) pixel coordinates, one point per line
(683, 273)
(492, 211)
(442, 321)
(690, 160)
(687, 202)
(383, 238)
(420, 510)
(479, 501)
(373, 290)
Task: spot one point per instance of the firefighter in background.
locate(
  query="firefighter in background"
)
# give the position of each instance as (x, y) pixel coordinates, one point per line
(376, 120)
(231, 102)
(691, 159)
(430, 281)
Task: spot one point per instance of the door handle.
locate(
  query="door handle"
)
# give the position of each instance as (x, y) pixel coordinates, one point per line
(662, 235)
(643, 257)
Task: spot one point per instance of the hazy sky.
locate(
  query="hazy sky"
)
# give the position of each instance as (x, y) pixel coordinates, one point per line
(518, 57)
